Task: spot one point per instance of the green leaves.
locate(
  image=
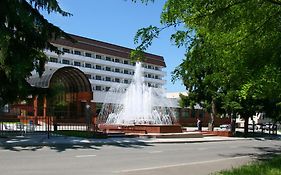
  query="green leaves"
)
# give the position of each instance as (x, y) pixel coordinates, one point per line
(234, 53)
(145, 36)
(24, 34)
(49, 6)
(143, 1)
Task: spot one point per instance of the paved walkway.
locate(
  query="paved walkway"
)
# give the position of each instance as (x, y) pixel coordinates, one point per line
(42, 140)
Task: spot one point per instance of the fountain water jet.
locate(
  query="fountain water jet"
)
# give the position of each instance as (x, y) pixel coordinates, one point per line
(138, 106)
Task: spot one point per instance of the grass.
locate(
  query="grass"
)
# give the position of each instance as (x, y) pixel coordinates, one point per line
(9, 123)
(251, 134)
(265, 167)
(83, 134)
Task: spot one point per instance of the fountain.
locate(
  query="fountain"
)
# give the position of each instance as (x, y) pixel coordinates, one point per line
(138, 108)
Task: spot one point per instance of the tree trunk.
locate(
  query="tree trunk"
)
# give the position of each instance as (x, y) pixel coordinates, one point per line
(246, 125)
(233, 123)
(213, 115)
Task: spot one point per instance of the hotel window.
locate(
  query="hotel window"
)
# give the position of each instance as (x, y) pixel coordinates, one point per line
(149, 67)
(98, 88)
(88, 54)
(107, 68)
(193, 113)
(117, 70)
(88, 76)
(77, 52)
(126, 62)
(65, 61)
(108, 58)
(98, 67)
(186, 114)
(107, 88)
(126, 71)
(98, 56)
(52, 59)
(98, 77)
(117, 60)
(149, 75)
(156, 68)
(77, 63)
(88, 65)
(177, 113)
(201, 114)
(126, 81)
(107, 79)
(65, 50)
(156, 77)
(117, 80)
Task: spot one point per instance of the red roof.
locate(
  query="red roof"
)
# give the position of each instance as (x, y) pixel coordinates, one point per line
(107, 48)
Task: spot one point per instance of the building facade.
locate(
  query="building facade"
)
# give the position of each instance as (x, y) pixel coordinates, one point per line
(106, 65)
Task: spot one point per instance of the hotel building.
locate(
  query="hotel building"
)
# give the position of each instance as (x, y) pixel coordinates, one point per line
(106, 65)
(88, 69)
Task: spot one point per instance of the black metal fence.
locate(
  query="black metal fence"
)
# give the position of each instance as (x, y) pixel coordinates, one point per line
(45, 125)
(269, 128)
(29, 125)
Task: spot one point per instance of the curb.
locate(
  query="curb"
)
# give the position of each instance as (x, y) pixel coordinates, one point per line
(46, 142)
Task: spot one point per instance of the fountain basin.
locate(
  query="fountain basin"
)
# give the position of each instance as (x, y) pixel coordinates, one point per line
(140, 129)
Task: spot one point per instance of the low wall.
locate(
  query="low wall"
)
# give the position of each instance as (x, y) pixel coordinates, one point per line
(141, 128)
(159, 128)
(220, 133)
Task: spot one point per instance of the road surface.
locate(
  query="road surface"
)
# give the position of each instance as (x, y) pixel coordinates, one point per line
(134, 159)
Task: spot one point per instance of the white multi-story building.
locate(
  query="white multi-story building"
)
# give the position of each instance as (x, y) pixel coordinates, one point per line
(106, 65)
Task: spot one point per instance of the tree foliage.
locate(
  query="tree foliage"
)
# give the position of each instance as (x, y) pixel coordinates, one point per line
(233, 57)
(24, 34)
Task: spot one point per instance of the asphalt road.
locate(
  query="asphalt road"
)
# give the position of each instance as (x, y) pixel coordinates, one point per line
(134, 159)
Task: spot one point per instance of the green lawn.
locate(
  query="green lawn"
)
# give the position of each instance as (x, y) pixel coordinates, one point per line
(266, 167)
(9, 123)
(251, 134)
(83, 134)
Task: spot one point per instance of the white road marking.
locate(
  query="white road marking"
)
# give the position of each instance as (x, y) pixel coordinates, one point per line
(155, 152)
(83, 156)
(182, 164)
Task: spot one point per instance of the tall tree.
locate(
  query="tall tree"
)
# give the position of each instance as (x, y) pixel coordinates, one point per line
(24, 34)
(239, 59)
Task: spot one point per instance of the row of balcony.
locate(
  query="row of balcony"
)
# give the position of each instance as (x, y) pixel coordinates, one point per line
(92, 73)
(102, 62)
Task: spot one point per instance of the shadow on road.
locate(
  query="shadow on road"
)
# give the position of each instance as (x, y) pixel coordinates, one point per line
(262, 153)
(31, 144)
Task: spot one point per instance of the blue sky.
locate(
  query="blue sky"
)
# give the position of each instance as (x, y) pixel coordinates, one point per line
(116, 22)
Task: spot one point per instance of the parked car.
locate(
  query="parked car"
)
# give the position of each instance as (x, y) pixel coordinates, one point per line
(250, 126)
(225, 127)
(268, 126)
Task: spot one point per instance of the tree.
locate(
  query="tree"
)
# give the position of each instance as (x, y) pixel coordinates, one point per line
(202, 80)
(237, 60)
(24, 34)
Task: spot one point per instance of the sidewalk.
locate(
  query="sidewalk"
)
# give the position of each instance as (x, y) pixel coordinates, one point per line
(42, 140)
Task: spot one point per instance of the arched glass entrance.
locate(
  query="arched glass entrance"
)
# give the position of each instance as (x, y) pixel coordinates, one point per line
(67, 91)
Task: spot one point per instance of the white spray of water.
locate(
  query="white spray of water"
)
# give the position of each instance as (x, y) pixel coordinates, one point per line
(139, 104)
